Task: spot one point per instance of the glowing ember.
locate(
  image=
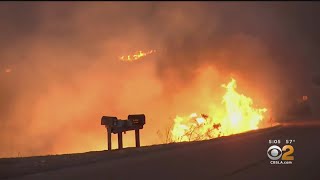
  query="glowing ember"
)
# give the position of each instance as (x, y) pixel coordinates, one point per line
(304, 98)
(7, 70)
(237, 116)
(136, 56)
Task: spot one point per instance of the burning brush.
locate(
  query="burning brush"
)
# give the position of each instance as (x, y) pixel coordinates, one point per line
(238, 115)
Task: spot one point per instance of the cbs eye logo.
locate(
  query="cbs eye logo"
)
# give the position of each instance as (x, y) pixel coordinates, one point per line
(275, 153)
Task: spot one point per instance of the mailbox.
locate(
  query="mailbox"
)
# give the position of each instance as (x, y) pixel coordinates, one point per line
(137, 119)
(108, 120)
(117, 126)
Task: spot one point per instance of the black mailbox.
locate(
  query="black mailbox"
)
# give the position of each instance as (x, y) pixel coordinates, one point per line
(108, 120)
(137, 119)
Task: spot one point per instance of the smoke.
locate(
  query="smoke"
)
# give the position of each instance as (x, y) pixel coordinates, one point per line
(65, 73)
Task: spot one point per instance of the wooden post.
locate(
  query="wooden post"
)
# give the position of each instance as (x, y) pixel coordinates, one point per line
(137, 138)
(109, 141)
(120, 145)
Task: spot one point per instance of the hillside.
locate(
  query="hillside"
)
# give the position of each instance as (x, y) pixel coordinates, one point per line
(239, 156)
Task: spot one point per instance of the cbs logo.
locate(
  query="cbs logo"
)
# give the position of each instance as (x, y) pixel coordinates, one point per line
(275, 153)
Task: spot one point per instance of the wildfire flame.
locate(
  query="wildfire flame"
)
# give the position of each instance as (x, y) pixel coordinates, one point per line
(238, 115)
(136, 56)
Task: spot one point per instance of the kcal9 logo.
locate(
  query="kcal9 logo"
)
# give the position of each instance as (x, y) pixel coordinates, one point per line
(275, 152)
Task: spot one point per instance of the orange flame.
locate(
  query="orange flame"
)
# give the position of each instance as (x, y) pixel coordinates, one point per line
(237, 116)
(136, 56)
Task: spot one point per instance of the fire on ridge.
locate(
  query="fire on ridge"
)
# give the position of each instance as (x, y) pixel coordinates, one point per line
(136, 56)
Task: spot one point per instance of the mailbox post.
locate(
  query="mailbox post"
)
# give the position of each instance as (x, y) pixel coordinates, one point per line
(137, 136)
(117, 126)
(120, 143)
(109, 141)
